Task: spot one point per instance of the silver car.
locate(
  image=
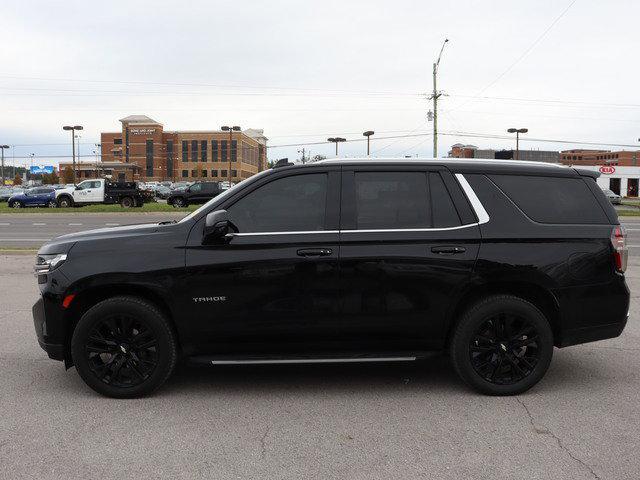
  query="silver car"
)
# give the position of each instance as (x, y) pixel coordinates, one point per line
(613, 197)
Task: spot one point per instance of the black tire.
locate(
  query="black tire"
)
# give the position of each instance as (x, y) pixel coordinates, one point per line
(127, 202)
(492, 358)
(124, 347)
(16, 204)
(179, 202)
(65, 202)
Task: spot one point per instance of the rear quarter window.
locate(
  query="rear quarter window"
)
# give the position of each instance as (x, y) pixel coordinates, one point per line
(552, 199)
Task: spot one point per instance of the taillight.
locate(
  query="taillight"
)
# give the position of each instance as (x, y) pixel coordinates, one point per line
(619, 244)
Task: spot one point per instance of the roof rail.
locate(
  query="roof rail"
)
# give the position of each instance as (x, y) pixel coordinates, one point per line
(283, 162)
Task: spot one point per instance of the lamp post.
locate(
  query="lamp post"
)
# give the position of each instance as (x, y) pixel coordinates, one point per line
(518, 131)
(72, 129)
(229, 129)
(2, 147)
(368, 134)
(336, 140)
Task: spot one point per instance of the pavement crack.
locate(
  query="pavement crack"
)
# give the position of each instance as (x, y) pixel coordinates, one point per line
(263, 443)
(544, 431)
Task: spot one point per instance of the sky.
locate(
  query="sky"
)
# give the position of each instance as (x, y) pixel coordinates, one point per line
(306, 70)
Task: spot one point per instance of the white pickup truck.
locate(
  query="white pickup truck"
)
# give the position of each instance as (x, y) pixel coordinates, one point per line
(100, 191)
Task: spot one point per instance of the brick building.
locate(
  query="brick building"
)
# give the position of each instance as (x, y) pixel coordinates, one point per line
(471, 151)
(183, 155)
(599, 157)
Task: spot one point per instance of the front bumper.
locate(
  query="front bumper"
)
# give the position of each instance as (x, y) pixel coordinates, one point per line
(54, 349)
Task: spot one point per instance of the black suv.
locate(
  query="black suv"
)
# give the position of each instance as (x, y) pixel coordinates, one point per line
(199, 192)
(346, 260)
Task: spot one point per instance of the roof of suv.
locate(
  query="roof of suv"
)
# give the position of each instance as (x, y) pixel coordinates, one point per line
(517, 167)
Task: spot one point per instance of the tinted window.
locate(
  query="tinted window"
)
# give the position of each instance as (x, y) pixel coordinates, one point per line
(196, 187)
(552, 199)
(443, 211)
(391, 200)
(292, 204)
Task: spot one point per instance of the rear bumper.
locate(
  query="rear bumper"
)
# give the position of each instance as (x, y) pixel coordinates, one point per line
(592, 334)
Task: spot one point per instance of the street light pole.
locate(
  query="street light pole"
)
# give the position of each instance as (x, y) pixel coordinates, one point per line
(368, 134)
(517, 131)
(336, 140)
(231, 130)
(72, 129)
(2, 147)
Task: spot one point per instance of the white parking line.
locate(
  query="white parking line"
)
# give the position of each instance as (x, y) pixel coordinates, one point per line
(75, 224)
(5, 223)
(37, 224)
(112, 224)
(24, 239)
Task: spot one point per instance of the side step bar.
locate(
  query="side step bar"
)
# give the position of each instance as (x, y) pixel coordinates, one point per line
(300, 360)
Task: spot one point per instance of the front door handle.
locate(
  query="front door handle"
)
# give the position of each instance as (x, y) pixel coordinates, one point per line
(314, 252)
(448, 250)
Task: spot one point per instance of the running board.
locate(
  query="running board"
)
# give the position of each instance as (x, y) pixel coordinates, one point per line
(283, 361)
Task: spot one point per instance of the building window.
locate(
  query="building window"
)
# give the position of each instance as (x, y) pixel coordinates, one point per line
(185, 173)
(234, 150)
(170, 158)
(223, 173)
(223, 150)
(194, 150)
(234, 173)
(149, 164)
(194, 173)
(204, 174)
(117, 141)
(214, 150)
(185, 151)
(203, 150)
(214, 173)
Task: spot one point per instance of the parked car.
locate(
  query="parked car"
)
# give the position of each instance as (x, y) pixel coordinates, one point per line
(33, 197)
(199, 192)
(613, 197)
(163, 192)
(5, 193)
(495, 262)
(90, 192)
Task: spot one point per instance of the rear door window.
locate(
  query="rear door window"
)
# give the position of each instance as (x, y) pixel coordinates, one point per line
(392, 200)
(552, 199)
(443, 210)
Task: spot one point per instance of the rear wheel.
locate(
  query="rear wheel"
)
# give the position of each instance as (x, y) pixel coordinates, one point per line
(16, 204)
(127, 202)
(502, 345)
(124, 347)
(179, 202)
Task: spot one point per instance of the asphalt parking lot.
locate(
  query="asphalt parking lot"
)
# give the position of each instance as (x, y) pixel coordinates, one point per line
(342, 421)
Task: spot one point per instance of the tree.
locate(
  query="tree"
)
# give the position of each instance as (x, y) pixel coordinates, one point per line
(17, 180)
(317, 158)
(50, 178)
(67, 174)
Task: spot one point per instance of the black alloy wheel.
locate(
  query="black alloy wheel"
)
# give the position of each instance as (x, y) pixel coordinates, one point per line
(502, 345)
(121, 351)
(127, 202)
(505, 349)
(179, 202)
(124, 347)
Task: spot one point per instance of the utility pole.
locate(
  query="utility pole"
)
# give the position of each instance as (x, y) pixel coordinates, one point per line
(73, 130)
(434, 96)
(230, 130)
(304, 158)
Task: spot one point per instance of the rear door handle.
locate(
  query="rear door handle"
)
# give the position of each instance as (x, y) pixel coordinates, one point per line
(314, 252)
(448, 250)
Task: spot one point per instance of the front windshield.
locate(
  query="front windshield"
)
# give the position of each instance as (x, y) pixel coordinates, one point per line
(221, 197)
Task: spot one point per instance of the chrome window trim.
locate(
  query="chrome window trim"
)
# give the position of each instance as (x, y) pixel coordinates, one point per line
(481, 213)
(304, 232)
(435, 229)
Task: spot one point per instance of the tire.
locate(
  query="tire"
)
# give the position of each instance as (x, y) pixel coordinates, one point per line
(490, 358)
(51, 204)
(16, 204)
(124, 347)
(127, 202)
(65, 202)
(179, 202)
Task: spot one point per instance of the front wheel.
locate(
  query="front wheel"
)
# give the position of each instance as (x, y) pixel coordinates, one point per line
(124, 347)
(52, 204)
(16, 204)
(179, 202)
(502, 345)
(65, 202)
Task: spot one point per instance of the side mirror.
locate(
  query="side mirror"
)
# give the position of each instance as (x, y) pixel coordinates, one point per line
(78, 187)
(216, 226)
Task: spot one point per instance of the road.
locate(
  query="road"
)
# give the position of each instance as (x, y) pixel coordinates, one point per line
(30, 230)
(317, 422)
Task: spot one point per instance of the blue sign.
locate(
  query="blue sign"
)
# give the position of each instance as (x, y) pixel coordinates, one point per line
(35, 170)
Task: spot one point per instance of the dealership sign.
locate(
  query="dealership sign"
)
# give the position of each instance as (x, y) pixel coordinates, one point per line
(142, 131)
(40, 170)
(607, 170)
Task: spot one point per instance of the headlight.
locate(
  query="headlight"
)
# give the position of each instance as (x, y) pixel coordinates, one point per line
(47, 263)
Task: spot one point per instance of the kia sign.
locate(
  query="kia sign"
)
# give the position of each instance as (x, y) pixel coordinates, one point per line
(607, 170)
(40, 170)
